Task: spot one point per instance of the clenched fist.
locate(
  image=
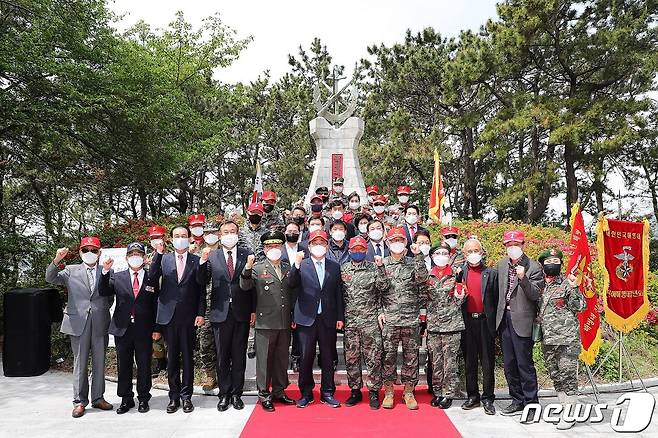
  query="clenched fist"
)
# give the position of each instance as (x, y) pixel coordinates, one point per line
(299, 257)
(250, 261)
(379, 261)
(415, 249)
(61, 253)
(520, 272)
(573, 280)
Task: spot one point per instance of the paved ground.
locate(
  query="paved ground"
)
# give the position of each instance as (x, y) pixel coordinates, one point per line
(40, 406)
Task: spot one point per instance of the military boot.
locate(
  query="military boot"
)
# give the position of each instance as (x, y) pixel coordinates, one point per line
(374, 399)
(209, 380)
(388, 402)
(355, 397)
(568, 404)
(408, 396)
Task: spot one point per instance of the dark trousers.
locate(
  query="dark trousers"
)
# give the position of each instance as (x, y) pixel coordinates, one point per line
(272, 361)
(519, 366)
(479, 345)
(180, 336)
(324, 336)
(295, 349)
(231, 339)
(135, 345)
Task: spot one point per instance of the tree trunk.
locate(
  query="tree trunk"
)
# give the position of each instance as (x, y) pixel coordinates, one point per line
(143, 202)
(570, 176)
(470, 182)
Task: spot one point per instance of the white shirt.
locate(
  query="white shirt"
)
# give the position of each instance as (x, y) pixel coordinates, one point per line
(292, 252)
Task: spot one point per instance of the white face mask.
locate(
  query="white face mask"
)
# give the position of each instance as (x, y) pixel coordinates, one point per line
(474, 259)
(337, 214)
(181, 242)
(441, 260)
(397, 247)
(135, 261)
(452, 242)
(425, 249)
(197, 231)
(412, 219)
(229, 240)
(514, 252)
(338, 235)
(211, 239)
(376, 235)
(274, 254)
(313, 227)
(338, 189)
(363, 228)
(156, 242)
(89, 257)
(403, 199)
(354, 205)
(318, 251)
(379, 209)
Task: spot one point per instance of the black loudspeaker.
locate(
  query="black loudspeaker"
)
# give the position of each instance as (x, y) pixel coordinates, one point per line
(28, 315)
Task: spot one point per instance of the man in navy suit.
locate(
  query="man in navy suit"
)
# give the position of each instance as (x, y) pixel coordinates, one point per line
(319, 312)
(181, 306)
(231, 312)
(411, 227)
(133, 325)
(376, 244)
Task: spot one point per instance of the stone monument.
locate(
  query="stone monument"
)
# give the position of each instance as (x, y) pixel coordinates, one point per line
(336, 135)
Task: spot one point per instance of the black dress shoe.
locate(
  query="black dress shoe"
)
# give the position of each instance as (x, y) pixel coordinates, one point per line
(489, 407)
(267, 405)
(143, 407)
(445, 403)
(513, 409)
(355, 397)
(435, 401)
(173, 406)
(471, 403)
(188, 406)
(284, 399)
(126, 406)
(224, 401)
(237, 403)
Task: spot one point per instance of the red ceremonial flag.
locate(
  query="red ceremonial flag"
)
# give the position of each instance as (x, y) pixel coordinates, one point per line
(623, 249)
(437, 194)
(580, 265)
(258, 184)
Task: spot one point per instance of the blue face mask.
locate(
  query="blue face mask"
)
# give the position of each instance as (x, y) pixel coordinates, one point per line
(358, 256)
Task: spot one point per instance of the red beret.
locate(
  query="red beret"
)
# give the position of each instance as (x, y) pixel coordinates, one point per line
(449, 230)
(268, 196)
(256, 207)
(318, 233)
(90, 241)
(514, 236)
(379, 198)
(156, 230)
(404, 190)
(358, 241)
(196, 218)
(372, 189)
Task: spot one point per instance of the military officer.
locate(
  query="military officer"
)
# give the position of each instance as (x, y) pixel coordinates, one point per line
(399, 209)
(250, 232)
(338, 190)
(274, 305)
(196, 222)
(559, 304)
(157, 235)
(273, 216)
(207, 350)
(451, 237)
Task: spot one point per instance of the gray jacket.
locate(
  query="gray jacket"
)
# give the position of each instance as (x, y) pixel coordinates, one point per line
(83, 301)
(525, 293)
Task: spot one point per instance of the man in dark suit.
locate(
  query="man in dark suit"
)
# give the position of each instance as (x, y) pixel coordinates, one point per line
(411, 227)
(230, 313)
(520, 284)
(319, 312)
(132, 325)
(376, 244)
(181, 306)
(479, 309)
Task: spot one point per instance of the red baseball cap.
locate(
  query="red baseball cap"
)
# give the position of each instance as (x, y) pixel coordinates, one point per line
(358, 241)
(379, 198)
(196, 219)
(449, 230)
(268, 196)
(513, 236)
(156, 230)
(406, 190)
(318, 233)
(256, 208)
(316, 196)
(90, 241)
(372, 189)
(396, 232)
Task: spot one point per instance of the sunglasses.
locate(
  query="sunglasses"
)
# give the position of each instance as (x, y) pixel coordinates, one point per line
(85, 250)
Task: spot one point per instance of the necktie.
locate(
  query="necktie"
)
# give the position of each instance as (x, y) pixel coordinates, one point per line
(135, 290)
(90, 277)
(229, 264)
(412, 231)
(378, 250)
(320, 270)
(277, 268)
(180, 268)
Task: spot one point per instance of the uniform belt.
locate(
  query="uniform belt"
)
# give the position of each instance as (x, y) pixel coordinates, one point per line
(477, 315)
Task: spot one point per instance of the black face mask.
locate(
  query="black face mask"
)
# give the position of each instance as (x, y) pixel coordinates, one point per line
(292, 238)
(316, 208)
(552, 269)
(255, 219)
(268, 208)
(299, 220)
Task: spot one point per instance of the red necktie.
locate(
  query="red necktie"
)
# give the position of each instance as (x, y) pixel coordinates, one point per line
(135, 290)
(412, 232)
(229, 265)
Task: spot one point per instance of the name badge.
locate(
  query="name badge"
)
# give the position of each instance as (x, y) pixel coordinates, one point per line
(149, 289)
(265, 275)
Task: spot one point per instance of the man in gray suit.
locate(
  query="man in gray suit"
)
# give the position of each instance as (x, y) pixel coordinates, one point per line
(86, 321)
(520, 284)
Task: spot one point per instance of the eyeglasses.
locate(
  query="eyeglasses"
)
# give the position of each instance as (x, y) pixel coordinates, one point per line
(450, 236)
(85, 250)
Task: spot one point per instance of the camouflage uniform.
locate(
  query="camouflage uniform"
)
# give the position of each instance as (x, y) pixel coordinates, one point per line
(457, 259)
(559, 304)
(207, 350)
(401, 308)
(445, 324)
(250, 239)
(363, 284)
(274, 219)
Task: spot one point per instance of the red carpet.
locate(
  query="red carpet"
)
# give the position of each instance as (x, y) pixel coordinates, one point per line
(322, 421)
